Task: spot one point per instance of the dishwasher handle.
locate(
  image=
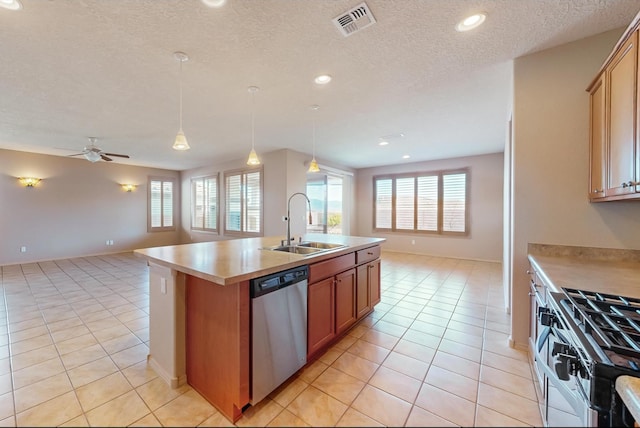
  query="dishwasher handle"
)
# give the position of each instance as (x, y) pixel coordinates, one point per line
(276, 281)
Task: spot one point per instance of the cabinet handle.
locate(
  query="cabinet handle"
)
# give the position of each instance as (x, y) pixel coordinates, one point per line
(530, 294)
(370, 253)
(598, 190)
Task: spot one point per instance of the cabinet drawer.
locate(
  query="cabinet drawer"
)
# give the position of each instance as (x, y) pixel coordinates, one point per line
(367, 254)
(321, 270)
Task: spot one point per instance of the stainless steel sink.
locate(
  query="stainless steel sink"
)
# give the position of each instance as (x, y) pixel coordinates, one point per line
(320, 245)
(305, 248)
(297, 249)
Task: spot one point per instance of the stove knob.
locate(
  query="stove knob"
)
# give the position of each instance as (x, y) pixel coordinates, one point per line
(546, 318)
(562, 366)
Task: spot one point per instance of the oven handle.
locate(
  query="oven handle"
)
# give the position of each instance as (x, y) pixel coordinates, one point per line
(569, 395)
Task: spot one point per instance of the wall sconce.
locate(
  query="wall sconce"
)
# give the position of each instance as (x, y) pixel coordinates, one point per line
(29, 181)
(128, 187)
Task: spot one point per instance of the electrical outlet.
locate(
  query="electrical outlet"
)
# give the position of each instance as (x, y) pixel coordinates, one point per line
(110, 241)
(23, 249)
(107, 243)
(413, 242)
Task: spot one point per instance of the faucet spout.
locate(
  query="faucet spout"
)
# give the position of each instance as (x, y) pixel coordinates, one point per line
(289, 214)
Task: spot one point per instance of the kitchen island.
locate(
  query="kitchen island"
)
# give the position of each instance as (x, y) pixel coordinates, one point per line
(199, 320)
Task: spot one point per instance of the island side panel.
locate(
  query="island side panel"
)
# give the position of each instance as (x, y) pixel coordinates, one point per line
(166, 324)
(217, 343)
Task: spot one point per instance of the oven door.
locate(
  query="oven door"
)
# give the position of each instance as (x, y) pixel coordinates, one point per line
(566, 403)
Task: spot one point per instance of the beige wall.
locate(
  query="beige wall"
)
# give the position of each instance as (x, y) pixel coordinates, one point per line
(284, 173)
(74, 209)
(485, 210)
(551, 156)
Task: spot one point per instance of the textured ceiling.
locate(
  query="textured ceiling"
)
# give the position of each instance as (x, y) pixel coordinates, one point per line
(72, 69)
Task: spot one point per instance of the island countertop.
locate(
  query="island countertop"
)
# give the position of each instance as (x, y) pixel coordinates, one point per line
(231, 261)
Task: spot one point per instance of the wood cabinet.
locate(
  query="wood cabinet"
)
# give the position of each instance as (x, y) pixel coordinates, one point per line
(341, 291)
(321, 325)
(345, 300)
(597, 140)
(368, 287)
(614, 115)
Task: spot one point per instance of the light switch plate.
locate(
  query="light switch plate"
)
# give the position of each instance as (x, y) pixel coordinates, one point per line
(163, 285)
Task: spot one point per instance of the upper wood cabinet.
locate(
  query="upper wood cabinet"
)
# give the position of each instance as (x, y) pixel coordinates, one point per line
(614, 172)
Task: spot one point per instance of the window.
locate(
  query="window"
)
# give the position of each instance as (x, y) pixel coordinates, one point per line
(433, 202)
(162, 204)
(243, 202)
(325, 193)
(204, 204)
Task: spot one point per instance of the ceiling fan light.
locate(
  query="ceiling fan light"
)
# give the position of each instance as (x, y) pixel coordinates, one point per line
(253, 158)
(11, 4)
(181, 142)
(313, 166)
(92, 156)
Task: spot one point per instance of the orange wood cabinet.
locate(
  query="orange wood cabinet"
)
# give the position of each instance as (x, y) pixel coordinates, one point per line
(217, 343)
(614, 118)
(321, 324)
(341, 291)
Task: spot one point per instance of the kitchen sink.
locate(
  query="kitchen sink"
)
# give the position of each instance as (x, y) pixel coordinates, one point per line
(320, 245)
(305, 248)
(296, 249)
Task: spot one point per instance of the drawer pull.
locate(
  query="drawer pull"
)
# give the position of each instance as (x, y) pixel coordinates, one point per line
(370, 253)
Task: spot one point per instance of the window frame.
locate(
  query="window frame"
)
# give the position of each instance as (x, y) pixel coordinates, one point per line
(440, 202)
(174, 203)
(243, 174)
(203, 228)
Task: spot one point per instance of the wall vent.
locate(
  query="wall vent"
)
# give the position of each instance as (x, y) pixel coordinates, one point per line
(354, 20)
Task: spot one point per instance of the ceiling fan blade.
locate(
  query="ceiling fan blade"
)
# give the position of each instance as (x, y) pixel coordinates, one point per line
(105, 158)
(117, 155)
(77, 154)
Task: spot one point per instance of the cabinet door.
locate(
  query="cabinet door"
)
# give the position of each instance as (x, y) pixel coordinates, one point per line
(320, 312)
(345, 300)
(374, 282)
(363, 296)
(621, 82)
(598, 160)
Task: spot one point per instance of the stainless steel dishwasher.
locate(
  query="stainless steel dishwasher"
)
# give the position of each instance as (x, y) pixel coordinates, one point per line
(278, 329)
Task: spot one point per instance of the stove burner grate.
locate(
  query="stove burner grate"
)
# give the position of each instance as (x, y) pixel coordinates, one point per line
(613, 321)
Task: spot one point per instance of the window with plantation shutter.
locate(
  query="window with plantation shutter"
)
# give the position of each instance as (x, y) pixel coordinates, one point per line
(431, 202)
(161, 204)
(204, 204)
(405, 203)
(383, 199)
(454, 202)
(427, 200)
(243, 200)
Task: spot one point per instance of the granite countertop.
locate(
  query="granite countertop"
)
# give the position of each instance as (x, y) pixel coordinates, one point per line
(235, 260)
(605, 270)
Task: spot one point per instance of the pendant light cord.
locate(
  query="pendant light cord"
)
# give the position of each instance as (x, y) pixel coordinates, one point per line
(180, 84)
(253, 114)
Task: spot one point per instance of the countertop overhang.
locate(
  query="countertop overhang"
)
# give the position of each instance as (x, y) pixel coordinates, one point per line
(235, 260)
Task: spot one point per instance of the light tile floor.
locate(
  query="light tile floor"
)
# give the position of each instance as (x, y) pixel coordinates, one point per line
(74, 339)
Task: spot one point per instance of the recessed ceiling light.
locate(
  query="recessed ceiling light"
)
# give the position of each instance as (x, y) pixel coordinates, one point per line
(383, 143)
(323, 79)
(11, 4)
(471, 22)
(406, 157)
(214, 3)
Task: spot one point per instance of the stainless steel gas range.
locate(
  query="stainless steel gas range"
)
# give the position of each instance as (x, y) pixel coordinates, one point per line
(585, 341)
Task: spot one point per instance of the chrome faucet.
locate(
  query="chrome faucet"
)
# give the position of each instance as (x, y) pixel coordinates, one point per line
(289, 214)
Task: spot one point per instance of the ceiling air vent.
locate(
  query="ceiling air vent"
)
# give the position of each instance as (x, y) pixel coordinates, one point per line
(354, 20)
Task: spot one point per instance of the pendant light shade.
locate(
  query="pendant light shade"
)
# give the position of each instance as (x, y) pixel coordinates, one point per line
(253, 157)
(313, 165)
(180, 142)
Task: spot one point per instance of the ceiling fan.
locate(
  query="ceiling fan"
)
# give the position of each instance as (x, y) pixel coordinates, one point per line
(94, 153)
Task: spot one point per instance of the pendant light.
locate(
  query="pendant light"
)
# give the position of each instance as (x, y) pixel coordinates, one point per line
(181, 141)
(313, 165)
(253, 157)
